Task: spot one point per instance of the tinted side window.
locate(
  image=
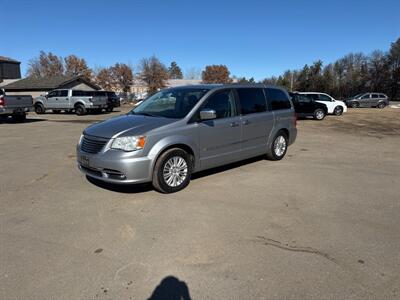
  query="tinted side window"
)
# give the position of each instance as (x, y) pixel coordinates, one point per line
(304, 98)
(223, 102)
(375, 96)
(382, 96)
(324, 98)
(52, 94)
(63, 93)
(365, 96)
(277, 99)
(252, 100)
(313, 96)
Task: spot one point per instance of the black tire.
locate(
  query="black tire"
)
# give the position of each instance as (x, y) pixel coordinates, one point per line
(272, 153)
(159, 181)
(109, 109)
(338, 111)
(381, 105)
(56, 111)
(39, 109)
(319, 114)
(80, 110)
(19, 118)
(355, 105)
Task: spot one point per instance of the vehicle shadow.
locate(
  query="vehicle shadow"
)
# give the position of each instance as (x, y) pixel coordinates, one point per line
(121, 188)
(171, 288)
(228, 167)
(147, 187)
(27, 121)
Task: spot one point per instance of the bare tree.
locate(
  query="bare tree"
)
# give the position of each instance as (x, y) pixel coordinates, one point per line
(122, 76)
(103, 78)
(153, 73)
(77, 66)
(193, 73)
(46, 65)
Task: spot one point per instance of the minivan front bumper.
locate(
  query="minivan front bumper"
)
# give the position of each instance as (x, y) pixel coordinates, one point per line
(115, 166)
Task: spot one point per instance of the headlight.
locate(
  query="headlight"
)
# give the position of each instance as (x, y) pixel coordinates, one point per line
(80, 140)
(129, 143)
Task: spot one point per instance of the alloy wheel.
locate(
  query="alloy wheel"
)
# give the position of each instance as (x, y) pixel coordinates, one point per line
(280, 146)
(175, 171)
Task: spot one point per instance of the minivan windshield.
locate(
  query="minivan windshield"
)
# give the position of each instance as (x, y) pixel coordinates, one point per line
(171, 103)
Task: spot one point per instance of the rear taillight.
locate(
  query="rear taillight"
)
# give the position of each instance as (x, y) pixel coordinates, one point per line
(2, 101)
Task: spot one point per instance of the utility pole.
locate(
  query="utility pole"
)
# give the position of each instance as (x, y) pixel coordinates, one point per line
(291, 81)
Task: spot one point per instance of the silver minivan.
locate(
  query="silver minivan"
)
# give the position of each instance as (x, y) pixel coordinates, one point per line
(182, 130)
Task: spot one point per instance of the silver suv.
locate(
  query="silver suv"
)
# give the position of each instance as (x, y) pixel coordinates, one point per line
(183, 130)
(368, 100)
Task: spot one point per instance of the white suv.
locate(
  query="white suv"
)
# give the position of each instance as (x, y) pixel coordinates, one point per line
(335, 107)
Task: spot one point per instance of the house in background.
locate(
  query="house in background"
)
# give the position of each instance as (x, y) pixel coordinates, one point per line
(10, 70)
(40, 86)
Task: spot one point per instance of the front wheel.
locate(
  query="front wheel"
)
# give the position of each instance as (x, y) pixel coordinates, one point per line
(172, 171)
(338, 111)
(319, 114)
(109, 109)
(355, 105)
(278, 147)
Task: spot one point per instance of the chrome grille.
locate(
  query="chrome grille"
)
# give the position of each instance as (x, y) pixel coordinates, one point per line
(92, 145)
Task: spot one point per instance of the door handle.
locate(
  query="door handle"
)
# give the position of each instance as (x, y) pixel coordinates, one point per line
(234, 124)
(246, 122)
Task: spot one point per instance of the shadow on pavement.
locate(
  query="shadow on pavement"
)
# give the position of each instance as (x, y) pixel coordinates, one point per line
(146, 187)
(121, 188)
(27, 121)
(171, 288)
(227, 167)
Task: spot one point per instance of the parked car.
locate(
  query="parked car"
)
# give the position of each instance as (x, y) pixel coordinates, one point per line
(182, 130)
(378, 100)
(15, 106)
(307, 107)
(334, 106)
(79, 101)
(112, 99)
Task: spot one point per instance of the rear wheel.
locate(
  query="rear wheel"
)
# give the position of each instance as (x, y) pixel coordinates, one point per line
(338, 111)
(278, 147)
(381, 105)
(80, 110)
(39, 109)
(172, 171)
(319, 114)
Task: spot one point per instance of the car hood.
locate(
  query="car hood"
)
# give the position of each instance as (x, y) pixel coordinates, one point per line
(126, 125)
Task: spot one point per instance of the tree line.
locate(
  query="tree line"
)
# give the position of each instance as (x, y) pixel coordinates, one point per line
(350, 75)
(121, 76)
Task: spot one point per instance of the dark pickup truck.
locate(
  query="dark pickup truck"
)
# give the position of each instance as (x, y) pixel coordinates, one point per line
(15, 106)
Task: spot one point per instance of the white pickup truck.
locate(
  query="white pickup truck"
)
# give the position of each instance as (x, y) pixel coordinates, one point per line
(15, 106)
(68, 100)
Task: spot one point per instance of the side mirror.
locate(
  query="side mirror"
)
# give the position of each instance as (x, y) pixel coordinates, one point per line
(208, 114)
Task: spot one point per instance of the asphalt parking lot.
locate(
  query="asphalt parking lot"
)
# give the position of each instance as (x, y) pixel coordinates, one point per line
(321, 224)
